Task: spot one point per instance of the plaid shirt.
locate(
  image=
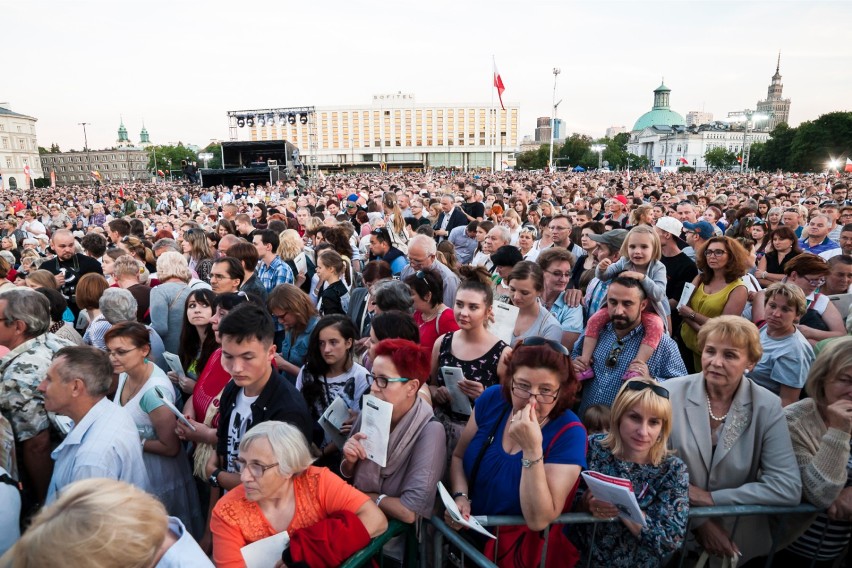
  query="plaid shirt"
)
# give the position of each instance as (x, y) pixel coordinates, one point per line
(278, 272)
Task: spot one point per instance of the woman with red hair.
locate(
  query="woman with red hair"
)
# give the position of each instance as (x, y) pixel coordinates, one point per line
(405, 488)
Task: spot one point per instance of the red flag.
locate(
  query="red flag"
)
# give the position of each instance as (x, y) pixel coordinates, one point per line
(498, 84)
(52, 178)
(683, 161)
(848, 167)
(160, 173)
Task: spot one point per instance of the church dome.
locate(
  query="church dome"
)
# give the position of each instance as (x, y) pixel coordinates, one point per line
(660, 114)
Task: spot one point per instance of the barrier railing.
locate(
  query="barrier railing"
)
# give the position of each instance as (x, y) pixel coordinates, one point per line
(374, 549)
(470, 555)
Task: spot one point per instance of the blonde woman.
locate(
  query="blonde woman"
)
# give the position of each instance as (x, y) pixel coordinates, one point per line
(512, 221)
(290, 249)
(197, 251)
(394, 222)
(126, 271)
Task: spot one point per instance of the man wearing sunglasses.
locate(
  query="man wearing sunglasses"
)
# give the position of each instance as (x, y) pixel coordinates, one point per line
(618, 345)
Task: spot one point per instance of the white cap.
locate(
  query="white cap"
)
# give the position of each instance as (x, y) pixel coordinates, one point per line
(670, 225)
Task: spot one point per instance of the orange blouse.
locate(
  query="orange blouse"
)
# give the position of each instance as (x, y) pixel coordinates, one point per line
(236, 521)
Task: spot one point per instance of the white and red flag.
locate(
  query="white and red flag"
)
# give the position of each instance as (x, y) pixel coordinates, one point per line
(848, 167)
(498, 84)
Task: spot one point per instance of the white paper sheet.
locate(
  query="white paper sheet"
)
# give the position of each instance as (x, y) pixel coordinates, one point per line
(174, 409)
(688, 289)
(173, 361)
(266, 552)
(375, 423)
(620, 496)
(332, 421)
(458, 400)
(453, 510)
(505, 316)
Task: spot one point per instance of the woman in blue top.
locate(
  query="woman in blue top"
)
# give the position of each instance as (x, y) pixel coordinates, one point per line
(635, 449)
(539, 445)
(294, 309)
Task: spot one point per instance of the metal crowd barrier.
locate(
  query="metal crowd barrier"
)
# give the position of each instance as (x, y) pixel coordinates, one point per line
(471, 556)
(374, 549)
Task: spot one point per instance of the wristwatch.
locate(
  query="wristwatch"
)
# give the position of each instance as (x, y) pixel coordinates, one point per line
(529, 463)
(213, 480)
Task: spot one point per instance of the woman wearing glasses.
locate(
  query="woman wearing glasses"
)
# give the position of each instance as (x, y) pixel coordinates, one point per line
(404, 488)
(784, 248)
(142, 388)
(522, 450)
(822, 320)
(281, 491)
(719, 289)
(731, 433)
(635, 449)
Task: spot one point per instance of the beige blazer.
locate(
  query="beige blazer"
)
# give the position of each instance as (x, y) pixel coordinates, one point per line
(753, 463)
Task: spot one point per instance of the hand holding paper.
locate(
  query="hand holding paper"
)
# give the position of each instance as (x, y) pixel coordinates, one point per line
(455, 514)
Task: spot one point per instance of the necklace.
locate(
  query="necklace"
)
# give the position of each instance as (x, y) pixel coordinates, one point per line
(713, 416)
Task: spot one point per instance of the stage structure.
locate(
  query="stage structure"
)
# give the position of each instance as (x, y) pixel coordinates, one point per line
(306, 115)
(254, 162)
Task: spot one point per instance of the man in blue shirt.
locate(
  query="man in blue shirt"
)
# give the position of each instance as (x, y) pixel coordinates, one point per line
(618, 345)
(381, 248)
(817, 240)
(104, 441)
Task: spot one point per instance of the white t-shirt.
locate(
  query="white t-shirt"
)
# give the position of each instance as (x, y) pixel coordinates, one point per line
(240, 423)
(10, 504)
(350, 386)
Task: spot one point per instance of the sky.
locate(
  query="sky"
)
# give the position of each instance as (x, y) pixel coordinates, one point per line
(180, 65)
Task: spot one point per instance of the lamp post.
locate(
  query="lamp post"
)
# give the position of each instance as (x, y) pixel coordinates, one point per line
(556, 72)
(599, 148)
(86, 148)
(749, 115)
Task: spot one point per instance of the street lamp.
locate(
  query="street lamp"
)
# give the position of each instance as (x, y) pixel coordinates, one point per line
(599, 148)
(556, 72)
(748, 115)
(86, 148)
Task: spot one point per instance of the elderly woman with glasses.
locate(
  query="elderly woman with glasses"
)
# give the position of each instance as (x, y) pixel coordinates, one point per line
(635, 450)
(822, 320)
(280, 490)
(522, 451)
(404, 488)
(731, 433)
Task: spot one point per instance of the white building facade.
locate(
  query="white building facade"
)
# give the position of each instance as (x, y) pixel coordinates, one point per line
(670, 147)
(18, 148)
(396, 132)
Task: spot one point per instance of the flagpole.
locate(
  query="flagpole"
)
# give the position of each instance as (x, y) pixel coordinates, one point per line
(493, 110)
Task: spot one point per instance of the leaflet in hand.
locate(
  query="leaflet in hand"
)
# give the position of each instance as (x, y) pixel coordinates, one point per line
(181, 418)
(375, 423)
(505, 317)
(265, 552)
(173, 361)
(454, 512)
(688, 289)
(617, 491)
(332, 421)
(458, 400)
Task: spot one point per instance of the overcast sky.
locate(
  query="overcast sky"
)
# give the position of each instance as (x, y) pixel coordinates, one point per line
(180, 65)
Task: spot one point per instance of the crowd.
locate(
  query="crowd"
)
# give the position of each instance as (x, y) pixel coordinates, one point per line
(183, 370)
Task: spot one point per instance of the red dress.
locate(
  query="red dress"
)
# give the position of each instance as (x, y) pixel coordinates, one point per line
(434, 328)
(210, 383)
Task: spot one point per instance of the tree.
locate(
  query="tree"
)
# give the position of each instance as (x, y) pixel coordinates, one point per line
(815, 142)
(755, 155)
(535, 159)
(170, 157)
(216, 161)
(775, 153)
(720, 158)
(639, 162)
(54, 148)
(575, 148)
(42, 150)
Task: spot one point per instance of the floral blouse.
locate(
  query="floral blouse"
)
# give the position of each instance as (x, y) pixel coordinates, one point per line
(663, 495)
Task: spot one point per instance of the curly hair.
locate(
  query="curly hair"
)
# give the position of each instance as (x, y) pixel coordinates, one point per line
(736, 266)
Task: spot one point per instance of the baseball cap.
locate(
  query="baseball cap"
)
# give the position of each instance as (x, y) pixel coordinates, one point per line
(613, 239)
(507, 255)
(352, 197)
(621, 198)
(702, 228)
(670, 225)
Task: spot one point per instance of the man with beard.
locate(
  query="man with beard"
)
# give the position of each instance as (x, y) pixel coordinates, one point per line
(69, 266)
(618, 345)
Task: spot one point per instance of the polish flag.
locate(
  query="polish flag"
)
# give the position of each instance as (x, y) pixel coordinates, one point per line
(498, 84)
(848, 167)
(683, 161)
(28, 175)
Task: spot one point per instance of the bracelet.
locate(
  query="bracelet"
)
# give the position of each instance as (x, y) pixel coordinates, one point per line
(379, 499)
(341, 471)
(460, 494)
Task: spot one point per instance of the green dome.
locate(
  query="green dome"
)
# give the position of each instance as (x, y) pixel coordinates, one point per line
(665, 117)
(660, 114)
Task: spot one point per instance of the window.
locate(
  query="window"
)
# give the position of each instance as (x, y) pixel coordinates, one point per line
(5, 142)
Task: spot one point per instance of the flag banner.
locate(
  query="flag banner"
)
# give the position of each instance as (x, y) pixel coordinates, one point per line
(498, 84)
(848, 167)
(52, 178)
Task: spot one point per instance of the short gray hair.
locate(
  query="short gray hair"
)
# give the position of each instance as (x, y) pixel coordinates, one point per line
(89, 364)
(168, 243)
(392, 295)
(288, 444)
(427, 243)
(173, 265)
(30, 307)
(504, 233)
(118, 305)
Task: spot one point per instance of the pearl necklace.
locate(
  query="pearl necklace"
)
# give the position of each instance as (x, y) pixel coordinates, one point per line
(710, 410)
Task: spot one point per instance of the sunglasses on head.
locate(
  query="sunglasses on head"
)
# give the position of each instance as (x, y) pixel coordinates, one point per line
(538, 341)
(641, 385)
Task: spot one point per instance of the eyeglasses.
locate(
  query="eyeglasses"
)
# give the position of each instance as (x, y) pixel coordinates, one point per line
(119, 352)
(815, 282)
(612, 359)
(543, 397)
(537, 341)
(718, 253)
(559, 275)
(382, 382)
(255, 469)
(810, 203)
(640, 386)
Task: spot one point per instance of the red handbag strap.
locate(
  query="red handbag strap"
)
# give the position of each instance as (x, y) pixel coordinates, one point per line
(562, 430)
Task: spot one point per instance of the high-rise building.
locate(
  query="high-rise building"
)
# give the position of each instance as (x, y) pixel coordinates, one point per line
(614, 131)
(18, 148)
(774, 105)
(698, 117)
(542, 129)
(558, 129)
